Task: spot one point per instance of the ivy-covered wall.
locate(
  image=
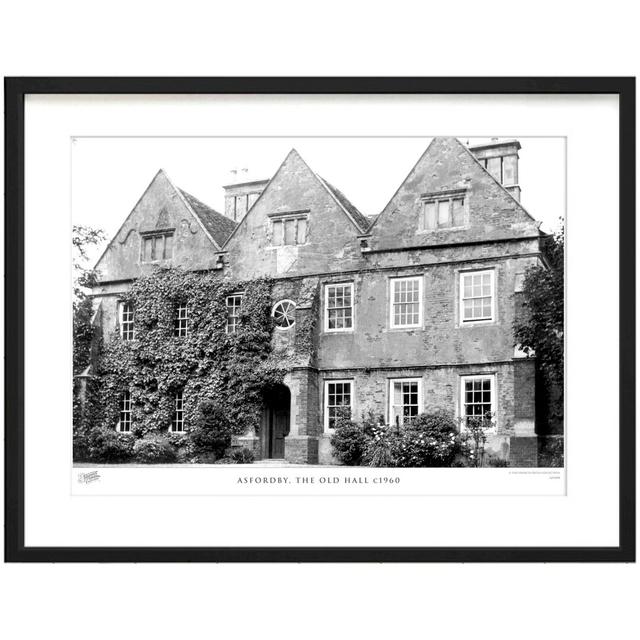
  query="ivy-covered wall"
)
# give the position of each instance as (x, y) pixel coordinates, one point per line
(230, 369)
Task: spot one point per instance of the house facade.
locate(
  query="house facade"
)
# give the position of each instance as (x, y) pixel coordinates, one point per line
(412, 310)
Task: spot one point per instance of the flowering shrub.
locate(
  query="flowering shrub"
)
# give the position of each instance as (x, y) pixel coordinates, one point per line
(474, 438)
(348, 441)
(154, 448)
(381, 447)
(431, 440)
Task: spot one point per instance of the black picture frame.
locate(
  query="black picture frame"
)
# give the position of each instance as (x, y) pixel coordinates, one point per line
(15, 91)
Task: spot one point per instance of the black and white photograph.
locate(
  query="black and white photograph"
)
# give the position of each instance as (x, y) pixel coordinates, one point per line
(320, 319)
(339, 326)
(278, 302)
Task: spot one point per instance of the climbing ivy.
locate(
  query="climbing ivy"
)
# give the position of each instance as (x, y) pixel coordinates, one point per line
(232, 370)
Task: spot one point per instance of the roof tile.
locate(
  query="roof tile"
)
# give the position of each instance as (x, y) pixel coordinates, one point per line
(220, 227)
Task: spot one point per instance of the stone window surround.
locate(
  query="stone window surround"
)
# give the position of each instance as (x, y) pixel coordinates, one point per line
(283, 216)
(460, 299)
(449, 195)
(325, 307)
(286, 302)
(491, 375)
(156, 233)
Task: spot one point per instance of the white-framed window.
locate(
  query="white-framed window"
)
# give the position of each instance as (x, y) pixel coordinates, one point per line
(177, 420)
(288, 230)
(181, 320)
(338, 396)
(338, 307)
(157, 246)
(127, 321)
(124, 423)
(477, 296)
(406, 302)
(478, 397)
(405, 400)
(284, 314)
(234, 305)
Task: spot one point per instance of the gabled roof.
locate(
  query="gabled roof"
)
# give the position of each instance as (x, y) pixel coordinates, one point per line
(434, 172)
(218, 226)
(360, 219)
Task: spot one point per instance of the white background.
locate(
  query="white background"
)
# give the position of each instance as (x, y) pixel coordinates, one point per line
(586, 516)
(401, 38)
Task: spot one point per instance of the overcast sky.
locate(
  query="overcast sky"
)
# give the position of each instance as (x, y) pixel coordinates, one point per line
(110, 174)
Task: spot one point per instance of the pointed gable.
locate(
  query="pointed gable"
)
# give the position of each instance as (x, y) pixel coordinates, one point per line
(190, 234)
(299, 224)
(449, 197)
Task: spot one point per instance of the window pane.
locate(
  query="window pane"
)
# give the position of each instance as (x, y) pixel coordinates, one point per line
(277, 233)
(477, 397)
(443, 213)
(338, 398)
(289, 231)
(430, 215)
(458, 212)
(302, 231)
(168, 247)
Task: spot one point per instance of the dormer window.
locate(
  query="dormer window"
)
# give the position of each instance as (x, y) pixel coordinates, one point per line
(288, 229)
(157, 245)
(444, 210)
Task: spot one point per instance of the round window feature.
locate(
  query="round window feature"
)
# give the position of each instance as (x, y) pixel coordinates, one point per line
(283, 313)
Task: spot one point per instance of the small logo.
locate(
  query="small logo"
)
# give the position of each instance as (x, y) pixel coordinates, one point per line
(90, 476)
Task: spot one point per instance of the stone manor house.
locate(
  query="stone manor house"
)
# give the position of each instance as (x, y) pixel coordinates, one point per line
(414, 306)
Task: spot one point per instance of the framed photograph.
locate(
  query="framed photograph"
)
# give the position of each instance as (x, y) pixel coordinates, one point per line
(320, 319)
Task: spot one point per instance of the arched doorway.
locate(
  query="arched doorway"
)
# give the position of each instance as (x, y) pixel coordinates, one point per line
(275, 421)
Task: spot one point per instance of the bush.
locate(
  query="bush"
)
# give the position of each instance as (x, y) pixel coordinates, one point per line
(348, 441)
(212, 431)
(108, 445)
(381, 447)
(551, 451)
(242, 456)
(154, 448)
(184, 447)
(431, 440)
(495, 461)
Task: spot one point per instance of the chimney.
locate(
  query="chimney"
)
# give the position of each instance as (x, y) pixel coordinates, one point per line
(500, 159)
(241, 194)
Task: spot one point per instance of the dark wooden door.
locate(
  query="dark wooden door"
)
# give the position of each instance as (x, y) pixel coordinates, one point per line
(280, 428)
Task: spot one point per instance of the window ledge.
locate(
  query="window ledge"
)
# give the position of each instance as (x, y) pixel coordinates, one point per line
(476, 323)
(458, 228)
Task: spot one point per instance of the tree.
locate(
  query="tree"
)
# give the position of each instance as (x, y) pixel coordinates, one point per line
(539, 329)
(83, 279)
